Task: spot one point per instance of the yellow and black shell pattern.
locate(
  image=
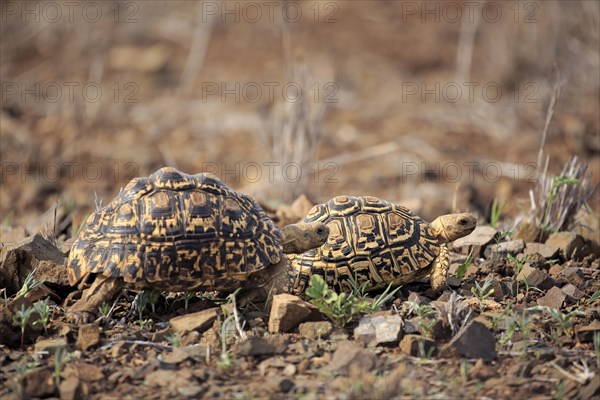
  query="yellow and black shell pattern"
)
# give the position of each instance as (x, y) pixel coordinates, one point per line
(370, 240)
(177, 231)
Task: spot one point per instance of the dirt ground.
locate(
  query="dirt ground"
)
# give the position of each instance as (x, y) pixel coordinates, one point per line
(440, 106)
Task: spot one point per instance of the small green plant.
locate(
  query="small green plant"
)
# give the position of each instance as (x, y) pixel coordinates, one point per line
(342, 308)
(594, 297)
(225, 360)
(30, 284)
(597, 348)
(425, 354)
(427, 315)
(187, 296)
(522, 324)
(557, 181)
(460, 271)
(152, 297)
(21, 318)
(482, 292)
(563, 323)
(496, 212)
(517, 266)
(61, 356)
(174, 339)
(104, 309)
(43, 310)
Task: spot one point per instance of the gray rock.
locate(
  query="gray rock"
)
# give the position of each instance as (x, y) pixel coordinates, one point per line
(418, 346)
(287, 312)
(88, 336)
(315, 329)
(586, 333)
(382, 329)
(501, 250)
(571, 246)
(572, 275)
(350, 355)
(554, 298)
(257, 346)
(572, 292)
(474, 340)
(199, 321)
(475, 242)
(278, 384)
(535, 278)
(545, 250)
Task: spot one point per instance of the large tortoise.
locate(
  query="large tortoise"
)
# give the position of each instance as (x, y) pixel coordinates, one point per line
(178, 232)
(376, 241)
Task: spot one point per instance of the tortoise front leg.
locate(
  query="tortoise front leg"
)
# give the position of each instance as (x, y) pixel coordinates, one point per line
(439, 270)
(86, 309)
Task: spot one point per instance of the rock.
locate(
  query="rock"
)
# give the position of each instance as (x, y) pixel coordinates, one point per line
(70, 389)
(418, 346)
(169, 380)
(545, 250)
(193, 391)
(88, 336)
(32, 253)
(257, 346)
(572, 275)
(571, 246)
(379, 329)
(176, 356)
(38, 382)
(290, 370)
(412, 325)
(572, 292)
(529, 232)
(591, 390)
(475, 242)
(554, 298)
(474, 340)
(501, 290)
(278, 384)
(350, 355)
(586, 333)
(535, 278)
(501, 250)
(453, 281)
(287, 312)
(315, 329)
(51, 345)
(418, 299)
(198, 321)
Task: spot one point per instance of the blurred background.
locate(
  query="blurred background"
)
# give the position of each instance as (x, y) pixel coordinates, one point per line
(435, 105)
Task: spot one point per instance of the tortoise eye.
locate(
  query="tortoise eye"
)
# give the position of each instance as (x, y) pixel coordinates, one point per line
(320, 231)
(463, 222)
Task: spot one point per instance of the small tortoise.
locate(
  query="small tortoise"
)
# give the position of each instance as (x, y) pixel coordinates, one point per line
(384, 243)
(179, 232)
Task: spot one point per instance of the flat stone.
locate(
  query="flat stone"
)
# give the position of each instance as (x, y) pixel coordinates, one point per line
(475, 241)
(571, 245)
(554, 298)
(501, 290)
(453, 282)
(418, 346)
(88, 336)
(376, 330)
(32, 253)
(529, 232)
(315, 329)
(51, 345)
(176, 356)
(474, 340)
(287, 312)
(503, 249)
(572, 292)
(198, 321)
(545, 250)
(586, 333)
(70, 389)
(572, 275)
(258, 346)
(418, 299)
(350, 355)
(535, 278)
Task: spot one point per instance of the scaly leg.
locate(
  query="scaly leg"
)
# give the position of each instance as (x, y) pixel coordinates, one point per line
(439, 271)
(86, 309)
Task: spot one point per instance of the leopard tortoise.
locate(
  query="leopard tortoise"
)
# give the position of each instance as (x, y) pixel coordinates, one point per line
(178, 232)
(376, 241)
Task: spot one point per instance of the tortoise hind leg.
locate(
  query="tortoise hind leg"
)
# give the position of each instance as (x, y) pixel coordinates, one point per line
(86, 309)
(439, 270)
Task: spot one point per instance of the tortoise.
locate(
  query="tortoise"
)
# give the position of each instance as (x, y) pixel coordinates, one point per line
(178, 232)
(372, 240)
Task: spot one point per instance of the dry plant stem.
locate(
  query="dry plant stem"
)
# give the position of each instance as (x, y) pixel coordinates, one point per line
(236, 316)
(466, 41)
(139, 343)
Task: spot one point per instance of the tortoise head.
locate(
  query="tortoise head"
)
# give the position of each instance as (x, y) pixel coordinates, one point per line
(450, 227)
(301, 237)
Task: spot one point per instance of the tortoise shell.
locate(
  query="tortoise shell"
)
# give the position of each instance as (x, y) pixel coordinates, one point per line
(177, 232)
(370, 240)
